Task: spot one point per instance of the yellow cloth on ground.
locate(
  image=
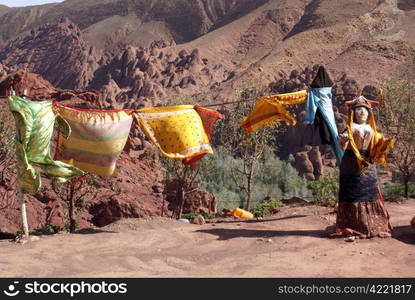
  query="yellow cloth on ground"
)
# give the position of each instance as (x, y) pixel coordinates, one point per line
(269, 109)
(177, 130)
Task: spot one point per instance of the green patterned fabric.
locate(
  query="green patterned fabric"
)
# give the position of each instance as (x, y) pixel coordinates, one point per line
(34, 123)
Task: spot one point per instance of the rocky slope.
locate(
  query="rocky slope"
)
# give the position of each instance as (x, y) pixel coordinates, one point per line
(144, 53)
(132, 20)
(217, 49)
(56, 51)
(245, 42)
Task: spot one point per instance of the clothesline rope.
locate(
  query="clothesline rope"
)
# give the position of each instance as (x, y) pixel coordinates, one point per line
(209, 105)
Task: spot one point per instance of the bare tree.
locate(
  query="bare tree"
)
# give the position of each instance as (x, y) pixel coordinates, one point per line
(7, 153)
(396, 119)
(8, 198)
(248, 146)
(184, 179)
(76, 193)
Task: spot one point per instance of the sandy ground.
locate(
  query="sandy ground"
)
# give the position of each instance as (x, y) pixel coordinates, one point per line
(292, 243)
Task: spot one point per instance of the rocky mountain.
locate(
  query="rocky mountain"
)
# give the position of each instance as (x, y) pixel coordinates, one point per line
(57, 51)
(142, 53)
(250, 41)
(135, 20)
(135, 53)
(4, 9)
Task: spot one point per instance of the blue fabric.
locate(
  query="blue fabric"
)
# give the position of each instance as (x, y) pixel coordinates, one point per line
(320, 98)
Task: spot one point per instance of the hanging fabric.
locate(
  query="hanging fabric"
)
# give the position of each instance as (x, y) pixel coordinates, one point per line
(319, 103)
(269, 109)
(209, 118)
(178, 131)
(98, 138)
(319, 111)
(34, 123)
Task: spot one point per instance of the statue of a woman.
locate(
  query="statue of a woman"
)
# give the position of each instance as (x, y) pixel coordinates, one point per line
(361, 210)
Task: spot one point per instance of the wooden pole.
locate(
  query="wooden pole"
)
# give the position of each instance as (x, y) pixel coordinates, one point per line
(20, 194)
(22, 202)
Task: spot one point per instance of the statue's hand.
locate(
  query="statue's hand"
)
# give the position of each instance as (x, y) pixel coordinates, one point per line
(344, 140)
(344, 137)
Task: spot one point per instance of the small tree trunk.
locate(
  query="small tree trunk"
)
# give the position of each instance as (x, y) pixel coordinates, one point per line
(72, 223)
(23, 213)
(406, 179)
(249, 191)
(180, 201)
(162, 206)
(249, 183)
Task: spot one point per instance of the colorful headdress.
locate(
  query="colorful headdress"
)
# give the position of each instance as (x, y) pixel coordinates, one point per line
(362, 101)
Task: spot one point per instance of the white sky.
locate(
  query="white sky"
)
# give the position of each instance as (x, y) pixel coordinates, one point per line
(14, 3)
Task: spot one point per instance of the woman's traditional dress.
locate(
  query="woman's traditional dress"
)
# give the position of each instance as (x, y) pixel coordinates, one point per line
(361, 209)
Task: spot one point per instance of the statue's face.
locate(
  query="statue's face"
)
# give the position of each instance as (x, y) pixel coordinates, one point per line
(361, 113)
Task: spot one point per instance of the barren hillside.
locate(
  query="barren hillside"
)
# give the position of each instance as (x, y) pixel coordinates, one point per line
(137, 53)
(250, 41)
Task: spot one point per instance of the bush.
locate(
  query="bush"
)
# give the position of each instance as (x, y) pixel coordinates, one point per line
(397, 189)
(191, 216)
(275, 178)
(279, 179)
(325, 191)
(266, 208)
(47, 229)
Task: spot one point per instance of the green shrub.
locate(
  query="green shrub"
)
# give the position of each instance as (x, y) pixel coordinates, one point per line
(397, 189)
(116, 189)
(325, 191)
(275, 178)
(266, 208)
(191, 216)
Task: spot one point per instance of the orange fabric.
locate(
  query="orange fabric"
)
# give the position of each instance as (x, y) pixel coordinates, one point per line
(380, 197)
(345, 232)
(288, 98)
(269, 109)
(209, 117)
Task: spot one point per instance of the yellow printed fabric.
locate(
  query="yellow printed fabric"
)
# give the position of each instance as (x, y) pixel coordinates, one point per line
(177, 130)
(98, 138)
(269, 109)
(288, 98)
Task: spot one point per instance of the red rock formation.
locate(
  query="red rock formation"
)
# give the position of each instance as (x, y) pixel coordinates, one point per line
(140, 77)
(135, 21)
(22, 81)
(196, 201)
(57, 51)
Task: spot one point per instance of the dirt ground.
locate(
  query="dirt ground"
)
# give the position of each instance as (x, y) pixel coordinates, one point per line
(292, 243)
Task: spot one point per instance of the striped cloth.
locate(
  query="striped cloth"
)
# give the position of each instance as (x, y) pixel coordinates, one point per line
(176, 130)
(269, 109)
(97, 139)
